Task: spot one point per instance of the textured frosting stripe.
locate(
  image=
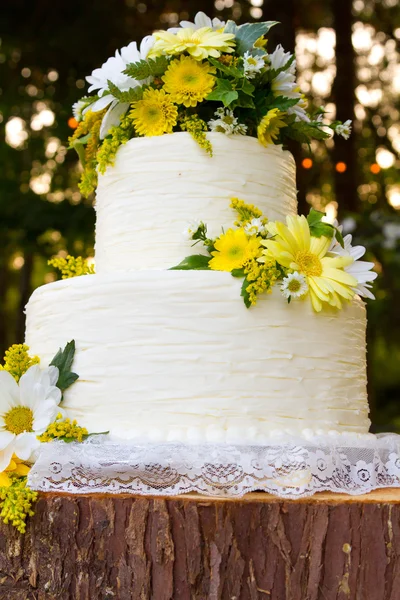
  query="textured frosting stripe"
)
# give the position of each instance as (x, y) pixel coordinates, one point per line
(176, 356)
(158, 186)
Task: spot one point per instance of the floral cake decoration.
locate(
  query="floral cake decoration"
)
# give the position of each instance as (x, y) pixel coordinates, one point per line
(306, 257)
(199, 77)
(31, 413)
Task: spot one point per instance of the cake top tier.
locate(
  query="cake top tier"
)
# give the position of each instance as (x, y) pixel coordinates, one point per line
(158, 187)
(206, 76)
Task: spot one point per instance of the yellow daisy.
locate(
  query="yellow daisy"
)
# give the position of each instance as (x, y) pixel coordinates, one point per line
(17, 467)
(199, 43)
(188, 81)
(293, 247)
(233, 249)
(271, 123)
(155, 114)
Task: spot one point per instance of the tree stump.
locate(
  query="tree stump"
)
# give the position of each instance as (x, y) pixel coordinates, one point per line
(124, 547)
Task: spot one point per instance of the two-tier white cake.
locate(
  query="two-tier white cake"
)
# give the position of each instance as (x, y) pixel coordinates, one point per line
(175, 355)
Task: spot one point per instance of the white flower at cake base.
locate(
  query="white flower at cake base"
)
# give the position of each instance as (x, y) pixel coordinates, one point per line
(252, 65)
(255, 226)
(200, 20)
(26, 409)
(279, 59)
(226, 122)
(294, 285)
(344, 129)
(360, 269)
(191, 229)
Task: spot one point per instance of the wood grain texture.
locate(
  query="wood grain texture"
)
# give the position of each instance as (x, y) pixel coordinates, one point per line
(104, 547)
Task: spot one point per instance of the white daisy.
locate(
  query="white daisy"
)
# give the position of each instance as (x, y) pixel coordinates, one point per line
(200, 20)
(360, 269)
(77, 109)
(344, 130)
(299, 110)
(191, 229)
(294, 285)
(252, 65)
(279, 58)
(255, 226)
(226, 122)
(285, 84)
(26, 410)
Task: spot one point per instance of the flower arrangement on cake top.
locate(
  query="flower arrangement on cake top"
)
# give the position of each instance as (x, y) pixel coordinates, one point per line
(203, 76)
(306, 257)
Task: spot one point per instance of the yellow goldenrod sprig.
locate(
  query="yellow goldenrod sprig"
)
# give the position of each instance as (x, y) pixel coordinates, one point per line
(64, 429)
(89, 126)
(197, 129)
(71, 266)
(16, 503)
(246, 212)
(261, 278)
(116, 137)
(17, 360)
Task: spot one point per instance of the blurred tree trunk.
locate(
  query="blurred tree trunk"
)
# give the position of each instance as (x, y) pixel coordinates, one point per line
(24, 293)
(287, 12)
(344, 97)
(3, 316)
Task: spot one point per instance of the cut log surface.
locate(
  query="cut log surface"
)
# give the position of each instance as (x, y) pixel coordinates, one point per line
(123, 547)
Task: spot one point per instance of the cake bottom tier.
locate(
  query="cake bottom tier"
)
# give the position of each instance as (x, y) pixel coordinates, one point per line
(176, 356)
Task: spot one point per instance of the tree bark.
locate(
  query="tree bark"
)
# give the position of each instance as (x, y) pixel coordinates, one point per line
(328, 547)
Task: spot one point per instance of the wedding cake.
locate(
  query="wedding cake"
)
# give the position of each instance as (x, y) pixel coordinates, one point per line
(166, 349)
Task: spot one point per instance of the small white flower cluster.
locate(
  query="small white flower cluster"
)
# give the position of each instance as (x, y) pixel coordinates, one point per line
(255, 226)
(226, 122)
(78, 108)
(359, 269)
(200, 20)
(191, 229)
(252, 65)
(344, 129)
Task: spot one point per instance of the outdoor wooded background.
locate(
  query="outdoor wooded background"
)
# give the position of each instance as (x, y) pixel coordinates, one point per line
(348, 59)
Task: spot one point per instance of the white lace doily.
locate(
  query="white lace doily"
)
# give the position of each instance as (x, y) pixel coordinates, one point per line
(290, 468)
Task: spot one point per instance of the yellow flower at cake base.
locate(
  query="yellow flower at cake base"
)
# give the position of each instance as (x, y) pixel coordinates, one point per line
(271, 123)
(233, 249)
(293, 247)
(15, 467)
(199, 43)
(155, 114)
(189, 81)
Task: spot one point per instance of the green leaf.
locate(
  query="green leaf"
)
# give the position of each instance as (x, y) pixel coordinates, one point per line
(246, 35)
(63, 361)
(197, 262)
(131, 95)
(244, 293)
(238, 273)
(228, 70)
(146, 68)
(223, 92)
(305, 132)
(283, 103)
(314, 217)
(244, 101)
(339, 237)
(246, 87)
(79, 146)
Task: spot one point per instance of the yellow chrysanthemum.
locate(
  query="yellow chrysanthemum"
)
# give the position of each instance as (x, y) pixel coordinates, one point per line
(293, 247)
(233, 249)
(16, 467)
(155, 114)
(199, 43)
(271, 123)
(188, 81)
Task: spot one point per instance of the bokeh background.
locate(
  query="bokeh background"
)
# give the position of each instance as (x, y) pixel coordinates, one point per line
(348, 59)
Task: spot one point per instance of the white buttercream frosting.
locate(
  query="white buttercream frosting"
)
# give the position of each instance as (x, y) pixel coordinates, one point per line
(160, 185)
(175, 355)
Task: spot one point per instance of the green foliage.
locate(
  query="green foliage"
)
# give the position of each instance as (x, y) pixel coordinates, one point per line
(131, 95)
(303, 132)
(196, 262)
(153, 67)
(246, 35)
(223, 92)
(245, 294)
(317, 227)
(63, 361)
(79, 146)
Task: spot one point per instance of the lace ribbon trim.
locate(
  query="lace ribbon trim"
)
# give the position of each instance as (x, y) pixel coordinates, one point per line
(289, 468)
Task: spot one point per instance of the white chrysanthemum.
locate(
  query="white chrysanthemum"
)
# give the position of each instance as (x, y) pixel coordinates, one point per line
(200, 20)
(226, 122)
(294, 285)
(279, 58)
(252, 65)
(191, 229)
(344, 130)
(255, 226)
(299, 110)
(78, 108)
(113, 70)
(285, 84)
(359, 269)
(26, 410)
